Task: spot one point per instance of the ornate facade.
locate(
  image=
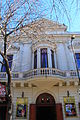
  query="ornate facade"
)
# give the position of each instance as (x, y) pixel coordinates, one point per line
(45, 83)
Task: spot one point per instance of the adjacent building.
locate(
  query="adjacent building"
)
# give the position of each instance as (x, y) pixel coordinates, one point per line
(45, 79)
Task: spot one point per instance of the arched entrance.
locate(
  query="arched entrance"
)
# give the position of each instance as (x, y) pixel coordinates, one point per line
(45, 107)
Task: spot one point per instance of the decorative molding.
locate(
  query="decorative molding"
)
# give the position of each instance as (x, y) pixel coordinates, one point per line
(76, 45)
(60, 84)
(76, 83)
(44, 44)
(68, 83)
(29, 85)
(14, 84)
(22, 84)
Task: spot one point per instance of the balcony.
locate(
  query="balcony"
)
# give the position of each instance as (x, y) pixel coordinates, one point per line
(42, 72)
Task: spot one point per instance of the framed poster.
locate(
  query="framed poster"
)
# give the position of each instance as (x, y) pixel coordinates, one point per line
(2, 89)
(21, 107)
(70, 107)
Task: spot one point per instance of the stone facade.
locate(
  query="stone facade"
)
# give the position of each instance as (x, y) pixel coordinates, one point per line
(60, 81)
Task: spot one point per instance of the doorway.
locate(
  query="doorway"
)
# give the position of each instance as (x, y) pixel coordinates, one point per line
(3, 110)
(45, 107)
(46, 113)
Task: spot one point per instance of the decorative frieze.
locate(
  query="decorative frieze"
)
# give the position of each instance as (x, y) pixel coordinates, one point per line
(68, 83)
(22, 84)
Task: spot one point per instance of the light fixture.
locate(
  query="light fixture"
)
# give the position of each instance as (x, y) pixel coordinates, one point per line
(72, 37)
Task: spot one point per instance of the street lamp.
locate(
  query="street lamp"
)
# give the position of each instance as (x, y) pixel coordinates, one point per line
(72, 38)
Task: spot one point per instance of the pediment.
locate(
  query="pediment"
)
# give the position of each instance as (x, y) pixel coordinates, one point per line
(49, 24)
(44, 26)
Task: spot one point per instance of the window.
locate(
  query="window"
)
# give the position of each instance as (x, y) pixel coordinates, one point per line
(78, 59)
(10, 58)
(35, 59)
(52, 58)
(44, 58)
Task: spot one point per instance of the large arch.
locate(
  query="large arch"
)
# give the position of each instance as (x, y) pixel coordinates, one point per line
(45, 107)
(38, 93)
(45, 98)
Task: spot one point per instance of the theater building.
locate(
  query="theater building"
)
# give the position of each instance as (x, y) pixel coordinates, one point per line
(45, 84)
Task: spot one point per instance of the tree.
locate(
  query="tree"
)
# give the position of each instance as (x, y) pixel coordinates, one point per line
(14, 15)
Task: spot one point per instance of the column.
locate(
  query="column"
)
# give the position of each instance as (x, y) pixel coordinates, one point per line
(38, 58)
(49, 58)
(14, 62)
(55, 59)
(32, 59)
(61, 57)
(1, 59)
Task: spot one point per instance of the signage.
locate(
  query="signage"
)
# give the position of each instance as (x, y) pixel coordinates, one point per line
(21, 107)
(69, 106)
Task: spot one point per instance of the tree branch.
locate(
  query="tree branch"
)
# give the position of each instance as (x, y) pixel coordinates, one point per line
(2, 63)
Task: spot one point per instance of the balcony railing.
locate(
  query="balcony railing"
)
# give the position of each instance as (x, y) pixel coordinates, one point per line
(43, 72)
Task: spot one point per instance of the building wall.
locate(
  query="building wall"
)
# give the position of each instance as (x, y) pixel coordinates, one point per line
(23, 59)
(57, 92)
(53, 37)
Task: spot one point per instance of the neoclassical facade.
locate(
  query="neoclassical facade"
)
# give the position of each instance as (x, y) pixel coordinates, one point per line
(44, 64)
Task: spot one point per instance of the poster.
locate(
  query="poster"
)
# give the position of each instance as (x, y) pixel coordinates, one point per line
(2, 89)
(70, 107)
(21, 107)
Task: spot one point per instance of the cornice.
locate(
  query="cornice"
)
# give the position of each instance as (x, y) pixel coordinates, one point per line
(75, 44)
(12, 49)
(43, 43)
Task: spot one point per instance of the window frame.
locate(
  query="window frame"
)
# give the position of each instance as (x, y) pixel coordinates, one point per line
(35, 59)
(52, 59)
(3, 68)
(44, 54)
(77, 55)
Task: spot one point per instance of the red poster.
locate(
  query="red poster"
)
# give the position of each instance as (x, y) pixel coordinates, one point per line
(2, 90)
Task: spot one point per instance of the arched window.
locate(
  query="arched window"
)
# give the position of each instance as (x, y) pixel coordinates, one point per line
(35, 59)
(10, 59)
(78, 59)
(45, 98)
(44, 58)
(52, 58)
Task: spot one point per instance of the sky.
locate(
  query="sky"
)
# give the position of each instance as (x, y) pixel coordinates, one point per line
(75, 25)
(62, 11)
(67, 12)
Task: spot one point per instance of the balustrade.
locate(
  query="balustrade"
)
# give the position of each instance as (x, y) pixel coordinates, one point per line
(40, 72)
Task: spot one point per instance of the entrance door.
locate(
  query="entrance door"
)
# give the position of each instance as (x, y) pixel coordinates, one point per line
(3, 110)
(45, 107)
(46, 113)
